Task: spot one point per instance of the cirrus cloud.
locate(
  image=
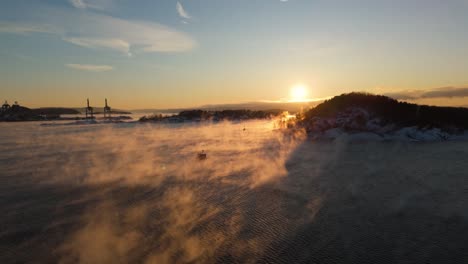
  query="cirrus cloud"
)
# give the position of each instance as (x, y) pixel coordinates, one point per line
(102, 31)
(99, 31)
(181, 11)
(442, 92)
(114, 44)
(25, 28)
(90, 67)
(91, 4)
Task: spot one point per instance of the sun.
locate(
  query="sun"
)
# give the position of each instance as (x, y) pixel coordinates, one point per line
(298, 93)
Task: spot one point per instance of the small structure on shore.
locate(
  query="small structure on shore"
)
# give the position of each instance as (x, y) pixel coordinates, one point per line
(15, 106)
(89, 111)
(5, 106)
(107, 110)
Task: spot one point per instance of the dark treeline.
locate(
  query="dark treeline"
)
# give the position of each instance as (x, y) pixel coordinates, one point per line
(228, 114)
(392, 111)
(55, 111)
(18, 113)
(21, 113)
(203, 115)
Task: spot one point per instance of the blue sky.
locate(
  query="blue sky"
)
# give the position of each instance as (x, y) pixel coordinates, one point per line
(164, 53)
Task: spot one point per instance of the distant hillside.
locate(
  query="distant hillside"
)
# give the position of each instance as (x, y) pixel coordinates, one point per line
(263, 106)
(100, 110)
(359, 108)
(292, 107)
(203, 115)
(55, 111)
(19, 113)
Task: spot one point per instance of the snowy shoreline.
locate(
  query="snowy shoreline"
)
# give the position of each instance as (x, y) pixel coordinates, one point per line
(411, 134)
(357, 124)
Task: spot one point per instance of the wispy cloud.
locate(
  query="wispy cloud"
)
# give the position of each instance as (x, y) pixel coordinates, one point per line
(98, 31)
(90, 67)
(103, 31)
(25, 28)
(119, 34)
(92, 4)
(114, 44)
(78, 4)
(443, 92)
(181, 11)
(447, 92)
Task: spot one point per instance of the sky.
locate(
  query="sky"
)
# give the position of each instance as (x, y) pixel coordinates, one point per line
(188, 53)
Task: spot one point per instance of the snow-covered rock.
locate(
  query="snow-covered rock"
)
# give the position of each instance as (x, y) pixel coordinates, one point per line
(358, 124)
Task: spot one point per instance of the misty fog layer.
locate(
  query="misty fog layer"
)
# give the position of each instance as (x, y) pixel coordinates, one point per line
(133, 193)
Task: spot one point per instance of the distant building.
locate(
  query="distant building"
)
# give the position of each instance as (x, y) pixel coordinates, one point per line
(15, 106)
(5, 106)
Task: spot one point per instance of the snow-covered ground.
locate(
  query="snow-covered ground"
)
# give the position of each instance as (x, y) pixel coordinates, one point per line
(358, 124)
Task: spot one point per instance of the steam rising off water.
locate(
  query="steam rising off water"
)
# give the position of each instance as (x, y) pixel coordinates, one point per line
(132, 193)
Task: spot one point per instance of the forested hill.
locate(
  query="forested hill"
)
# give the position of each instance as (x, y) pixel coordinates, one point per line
(389, 110)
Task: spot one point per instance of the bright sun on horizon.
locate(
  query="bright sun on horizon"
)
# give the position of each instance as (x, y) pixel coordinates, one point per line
(298, 93)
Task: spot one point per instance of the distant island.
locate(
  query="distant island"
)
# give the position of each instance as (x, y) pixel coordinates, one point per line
(382, 115)
(115, 112)
(16, 112)
(100, 111)
(352, 113)
(55, 111)
(204, 115)
(291, 107)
